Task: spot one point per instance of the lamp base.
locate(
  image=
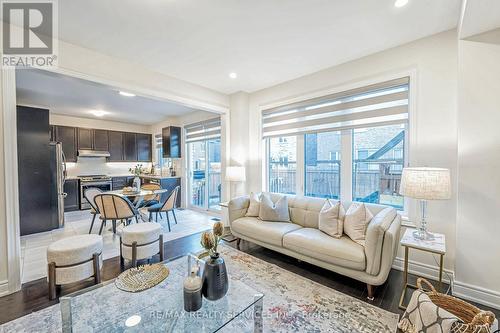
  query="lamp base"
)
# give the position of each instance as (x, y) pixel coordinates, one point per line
(423, 235)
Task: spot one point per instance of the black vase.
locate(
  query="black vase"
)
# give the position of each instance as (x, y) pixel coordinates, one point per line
(215, 281)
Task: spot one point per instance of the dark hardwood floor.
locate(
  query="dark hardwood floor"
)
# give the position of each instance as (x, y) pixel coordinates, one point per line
(34, 295)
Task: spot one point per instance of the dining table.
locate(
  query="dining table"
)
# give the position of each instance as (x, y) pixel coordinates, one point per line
(138, 198)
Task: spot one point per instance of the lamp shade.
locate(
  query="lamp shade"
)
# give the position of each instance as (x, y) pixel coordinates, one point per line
(426, 183)
(235, 174)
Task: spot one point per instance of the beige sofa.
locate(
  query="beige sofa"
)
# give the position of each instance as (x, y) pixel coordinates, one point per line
(302, 239)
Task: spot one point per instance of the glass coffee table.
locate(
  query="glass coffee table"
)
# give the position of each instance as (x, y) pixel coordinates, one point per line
(105, 308)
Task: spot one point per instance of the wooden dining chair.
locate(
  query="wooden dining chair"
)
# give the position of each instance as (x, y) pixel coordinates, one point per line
(114, 207)
(152, 199)
(90, 194)
(168, 206)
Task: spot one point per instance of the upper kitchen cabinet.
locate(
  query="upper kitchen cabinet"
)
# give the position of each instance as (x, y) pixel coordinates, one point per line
(171, 141)
(130, 147)
(144, 149)
(115, 146)
(85, 138)
(67, 136)
(101, 140)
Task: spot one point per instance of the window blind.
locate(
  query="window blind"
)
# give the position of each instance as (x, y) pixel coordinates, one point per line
(203, 130)
(158, 141)
(375, 105)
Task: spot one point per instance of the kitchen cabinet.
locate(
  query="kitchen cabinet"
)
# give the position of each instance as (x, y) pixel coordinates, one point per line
(129, 147)
(72, 200)
(101, 140)
(85, 138)
(121, 182)
(115, 146)
(144, 149)
(171, 142)
(67, 136)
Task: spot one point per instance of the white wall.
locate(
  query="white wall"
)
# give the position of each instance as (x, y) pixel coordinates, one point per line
(478, 220)
(99, 123)
(433, 137)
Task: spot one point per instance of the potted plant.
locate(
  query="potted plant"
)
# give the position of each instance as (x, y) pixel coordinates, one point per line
(136, 171)
(215, 280)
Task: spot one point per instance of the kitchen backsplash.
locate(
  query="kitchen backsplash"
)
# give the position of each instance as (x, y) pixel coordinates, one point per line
(99, 166)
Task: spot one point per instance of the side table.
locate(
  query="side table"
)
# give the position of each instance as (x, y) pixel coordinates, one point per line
(436, 246)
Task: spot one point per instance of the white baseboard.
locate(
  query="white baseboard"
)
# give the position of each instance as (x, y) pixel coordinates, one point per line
(423, 270)
(4, 287)
(477, 294)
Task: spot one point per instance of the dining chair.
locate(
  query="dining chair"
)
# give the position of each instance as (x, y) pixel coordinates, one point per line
(90, 194)
(152, 199)
(168, 206)
(114, 207)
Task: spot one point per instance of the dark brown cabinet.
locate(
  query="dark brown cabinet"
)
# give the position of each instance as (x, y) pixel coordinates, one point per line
(67, 136)
(72, 200)
(119, 183)
(101, 141)
(129, 147)
(171, 142)
(115, 146)
(144, 149)
(85, 138)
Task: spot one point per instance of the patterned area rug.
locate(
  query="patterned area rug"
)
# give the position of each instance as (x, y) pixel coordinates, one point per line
(291, 304)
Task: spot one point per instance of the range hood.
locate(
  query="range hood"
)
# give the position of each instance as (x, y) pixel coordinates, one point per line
(92, 153)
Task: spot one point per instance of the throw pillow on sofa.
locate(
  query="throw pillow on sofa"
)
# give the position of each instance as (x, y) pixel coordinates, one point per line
(254, 207)
(274, 211)
(356, 221)
(331, 219)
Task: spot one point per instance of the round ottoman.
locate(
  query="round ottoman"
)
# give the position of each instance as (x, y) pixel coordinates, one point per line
(141, 241)
(74, 259)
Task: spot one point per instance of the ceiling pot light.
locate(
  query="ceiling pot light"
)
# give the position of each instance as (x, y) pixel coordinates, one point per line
(98, 113)
(233, 75)
(400, 3)
(124, 93)
(133, 321)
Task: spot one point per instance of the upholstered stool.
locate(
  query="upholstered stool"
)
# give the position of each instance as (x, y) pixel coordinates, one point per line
(141, 241)
(74, 259)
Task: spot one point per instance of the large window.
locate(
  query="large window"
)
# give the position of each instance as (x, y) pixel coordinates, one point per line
(322, 164)
(282, 164)
(378, 162)
(349, 145)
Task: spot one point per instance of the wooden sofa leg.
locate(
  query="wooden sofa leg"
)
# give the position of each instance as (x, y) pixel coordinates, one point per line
(371, 292)
(52, 280)
(238, 241)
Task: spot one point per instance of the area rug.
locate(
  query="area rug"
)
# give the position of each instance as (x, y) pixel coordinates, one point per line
(292, 303)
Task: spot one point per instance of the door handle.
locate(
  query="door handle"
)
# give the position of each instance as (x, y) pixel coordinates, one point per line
(64, 194)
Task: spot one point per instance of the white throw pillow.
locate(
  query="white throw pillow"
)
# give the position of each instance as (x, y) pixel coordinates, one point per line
(273, 211)
(356, 221)
(254, 207)
(331, 219)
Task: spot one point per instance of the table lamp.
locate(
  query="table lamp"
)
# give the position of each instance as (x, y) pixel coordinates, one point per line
(425, 184)
(235, 174)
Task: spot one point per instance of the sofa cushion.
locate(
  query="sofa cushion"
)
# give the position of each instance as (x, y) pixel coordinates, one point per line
(331, 219)
(356, 221)
(318, 245)
(274, 210)
(269, 232)
(305, 210)
(254, 207)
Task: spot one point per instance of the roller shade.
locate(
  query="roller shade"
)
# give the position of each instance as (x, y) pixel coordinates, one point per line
(158, 141)
(203, 130)
(375, 105)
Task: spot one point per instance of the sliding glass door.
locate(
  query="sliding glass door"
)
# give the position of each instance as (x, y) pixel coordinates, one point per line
(205, 174)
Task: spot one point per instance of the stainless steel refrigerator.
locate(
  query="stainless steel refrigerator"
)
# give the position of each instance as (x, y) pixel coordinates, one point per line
(58, 177)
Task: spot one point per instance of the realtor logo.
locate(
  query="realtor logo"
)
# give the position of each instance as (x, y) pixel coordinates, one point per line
(29, 33)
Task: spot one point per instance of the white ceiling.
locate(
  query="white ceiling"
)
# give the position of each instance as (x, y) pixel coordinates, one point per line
(75, 97)
(479, 16)
(264, 41)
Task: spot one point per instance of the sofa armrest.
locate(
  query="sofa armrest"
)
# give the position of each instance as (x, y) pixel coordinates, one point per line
(376, 237)
(237, 208)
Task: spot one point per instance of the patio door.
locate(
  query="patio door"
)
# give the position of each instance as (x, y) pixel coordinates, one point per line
(204, 163)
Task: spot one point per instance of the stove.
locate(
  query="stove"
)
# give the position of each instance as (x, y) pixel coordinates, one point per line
(101, 182)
